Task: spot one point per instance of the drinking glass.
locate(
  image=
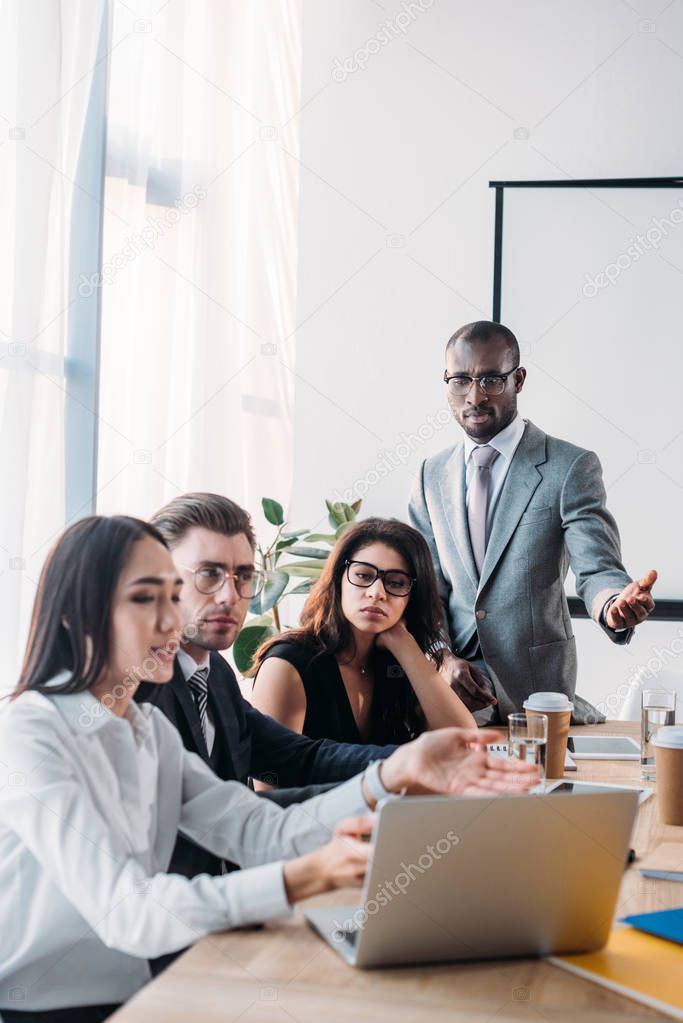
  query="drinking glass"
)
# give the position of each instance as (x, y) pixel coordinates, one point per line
(527, 738)
(658, 709)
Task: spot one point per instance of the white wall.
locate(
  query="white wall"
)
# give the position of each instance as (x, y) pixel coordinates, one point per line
(396, 222)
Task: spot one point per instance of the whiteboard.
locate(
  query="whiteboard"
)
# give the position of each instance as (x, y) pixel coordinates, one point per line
(592, 286)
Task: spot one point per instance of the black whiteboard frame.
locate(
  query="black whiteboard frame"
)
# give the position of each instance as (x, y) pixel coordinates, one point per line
(665, 610)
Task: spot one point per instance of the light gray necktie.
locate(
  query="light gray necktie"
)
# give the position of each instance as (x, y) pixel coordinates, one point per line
(478, 503)
(199, 687)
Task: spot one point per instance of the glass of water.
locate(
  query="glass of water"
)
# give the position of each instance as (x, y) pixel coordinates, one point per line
(658, 708)
(527, 739)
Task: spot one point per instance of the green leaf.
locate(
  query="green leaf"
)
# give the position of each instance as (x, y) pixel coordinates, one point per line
(342, 529)
(329, 538)
(336, 513)
(355, 507)
(341, 512)
(281, 548)
(309, 552)
(276, 583)
(247, 643)
(281, 544)
(302, 569)
(303, 564)
(303, 587)
(294, 533)
(273, 511)
(266, 619)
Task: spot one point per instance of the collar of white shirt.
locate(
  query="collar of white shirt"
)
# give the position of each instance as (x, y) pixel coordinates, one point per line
(505, 442)
(188, 665)
(85, 714)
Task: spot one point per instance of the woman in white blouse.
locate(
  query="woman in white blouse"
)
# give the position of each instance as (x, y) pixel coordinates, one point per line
(93, 790)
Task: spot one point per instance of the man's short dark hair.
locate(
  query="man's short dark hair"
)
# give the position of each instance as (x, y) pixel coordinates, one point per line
(486, 330)
(212, 511)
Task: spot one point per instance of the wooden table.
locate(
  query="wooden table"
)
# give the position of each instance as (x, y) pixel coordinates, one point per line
(285, 973)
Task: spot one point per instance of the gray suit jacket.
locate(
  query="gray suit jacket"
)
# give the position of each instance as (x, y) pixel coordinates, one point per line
(550, 515)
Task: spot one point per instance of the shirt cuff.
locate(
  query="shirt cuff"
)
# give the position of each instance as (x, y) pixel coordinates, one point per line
(346, 800)
(605, 607)
(262, 897)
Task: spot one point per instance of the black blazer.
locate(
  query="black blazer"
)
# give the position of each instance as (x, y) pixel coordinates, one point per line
(250, 744)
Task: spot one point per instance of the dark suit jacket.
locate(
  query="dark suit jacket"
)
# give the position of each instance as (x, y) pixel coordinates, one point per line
(250, 744)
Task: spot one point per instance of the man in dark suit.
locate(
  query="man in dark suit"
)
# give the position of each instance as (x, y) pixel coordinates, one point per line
(213, 544)
(506, 512)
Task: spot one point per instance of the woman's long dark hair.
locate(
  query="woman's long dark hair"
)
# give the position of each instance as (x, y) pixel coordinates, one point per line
(70, 624)
(325, 627)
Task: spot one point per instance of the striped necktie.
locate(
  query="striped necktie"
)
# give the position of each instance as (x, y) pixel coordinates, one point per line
(199, 687)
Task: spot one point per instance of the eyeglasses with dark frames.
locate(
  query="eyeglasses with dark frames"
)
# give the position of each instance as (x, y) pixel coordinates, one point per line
(492, 384)
(211, 578)
(394, 581)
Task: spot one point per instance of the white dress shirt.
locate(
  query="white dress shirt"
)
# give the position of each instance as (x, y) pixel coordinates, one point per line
(90, 806)
(506, 443)
(188, 666)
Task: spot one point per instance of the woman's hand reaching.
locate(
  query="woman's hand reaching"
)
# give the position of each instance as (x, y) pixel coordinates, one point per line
(339, 864)
(455, 761)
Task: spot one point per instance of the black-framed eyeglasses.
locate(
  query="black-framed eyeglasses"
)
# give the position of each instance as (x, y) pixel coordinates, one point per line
(394, 581)
(210, 578)
(490, 383)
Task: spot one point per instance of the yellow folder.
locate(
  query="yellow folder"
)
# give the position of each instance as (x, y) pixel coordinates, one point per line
(637, 965)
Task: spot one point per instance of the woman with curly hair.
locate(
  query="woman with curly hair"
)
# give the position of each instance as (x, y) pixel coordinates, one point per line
(363, 666)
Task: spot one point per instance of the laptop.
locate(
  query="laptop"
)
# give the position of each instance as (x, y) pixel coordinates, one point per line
(484, 878)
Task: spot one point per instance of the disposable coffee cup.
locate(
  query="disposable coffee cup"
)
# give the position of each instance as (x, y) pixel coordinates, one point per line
(668, 746)
(558, 709)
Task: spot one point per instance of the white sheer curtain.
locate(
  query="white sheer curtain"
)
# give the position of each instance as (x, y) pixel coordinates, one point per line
(199, 262)
(48, 62)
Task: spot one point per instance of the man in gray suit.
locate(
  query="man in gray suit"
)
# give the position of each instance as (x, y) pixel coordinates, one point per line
(505, 513)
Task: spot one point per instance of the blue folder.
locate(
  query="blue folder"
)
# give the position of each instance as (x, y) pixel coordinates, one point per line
(667, 923)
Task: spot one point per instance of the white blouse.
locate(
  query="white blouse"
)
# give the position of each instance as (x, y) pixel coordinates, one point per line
(90, 806)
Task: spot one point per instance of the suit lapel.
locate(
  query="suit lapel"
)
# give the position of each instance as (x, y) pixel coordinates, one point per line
(453, 497)
(520, 483)
(188, 708)
(221, 681)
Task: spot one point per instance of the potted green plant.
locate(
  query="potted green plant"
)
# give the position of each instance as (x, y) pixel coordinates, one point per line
(292, 563)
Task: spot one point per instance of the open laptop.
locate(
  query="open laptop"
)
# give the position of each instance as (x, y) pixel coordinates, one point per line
(459, 878)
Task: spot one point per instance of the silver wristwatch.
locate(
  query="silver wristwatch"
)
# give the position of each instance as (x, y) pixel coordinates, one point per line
(373, 781)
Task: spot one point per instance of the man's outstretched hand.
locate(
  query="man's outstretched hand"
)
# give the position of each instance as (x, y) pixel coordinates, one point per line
(633, 604)
(454, 761)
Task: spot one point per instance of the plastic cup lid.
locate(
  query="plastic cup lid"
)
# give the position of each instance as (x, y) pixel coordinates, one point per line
(669, 737)
(548, 702)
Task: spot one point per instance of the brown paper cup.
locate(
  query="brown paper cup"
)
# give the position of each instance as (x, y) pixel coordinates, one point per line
(669, 768)
(558, 731)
